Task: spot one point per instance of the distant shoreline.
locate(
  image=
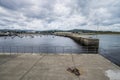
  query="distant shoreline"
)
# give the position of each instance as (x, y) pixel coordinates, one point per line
(2, 35)
(98, 33)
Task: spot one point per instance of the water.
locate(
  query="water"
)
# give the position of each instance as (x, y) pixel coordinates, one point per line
(40, 44)
(109, 45)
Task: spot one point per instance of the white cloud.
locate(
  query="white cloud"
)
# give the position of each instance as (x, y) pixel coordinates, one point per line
(2, 10)
(61, 10)
(58, 14)
(36, 24)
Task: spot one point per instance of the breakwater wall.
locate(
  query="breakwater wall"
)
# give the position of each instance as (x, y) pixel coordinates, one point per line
(85, 41)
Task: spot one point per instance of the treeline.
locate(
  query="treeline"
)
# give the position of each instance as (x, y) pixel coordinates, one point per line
(79, 31)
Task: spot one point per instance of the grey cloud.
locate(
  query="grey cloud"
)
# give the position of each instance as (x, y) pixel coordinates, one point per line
(83, 6)
(14, 4)
(8, 21)
(39, 12)
(39, 15)
(112, 21)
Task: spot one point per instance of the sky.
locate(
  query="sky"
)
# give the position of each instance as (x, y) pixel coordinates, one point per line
(60, 14)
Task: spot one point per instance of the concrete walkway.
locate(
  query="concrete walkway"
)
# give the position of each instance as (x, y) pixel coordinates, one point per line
(53, 67)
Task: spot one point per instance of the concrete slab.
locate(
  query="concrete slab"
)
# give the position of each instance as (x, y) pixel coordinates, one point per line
(53, 67)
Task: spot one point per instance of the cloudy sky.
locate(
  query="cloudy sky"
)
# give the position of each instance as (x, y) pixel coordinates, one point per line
(60, 14)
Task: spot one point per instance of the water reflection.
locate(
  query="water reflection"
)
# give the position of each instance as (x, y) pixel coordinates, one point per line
(42, 44)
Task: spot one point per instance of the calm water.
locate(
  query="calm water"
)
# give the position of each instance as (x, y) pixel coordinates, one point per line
(109, 45)
(40, 44)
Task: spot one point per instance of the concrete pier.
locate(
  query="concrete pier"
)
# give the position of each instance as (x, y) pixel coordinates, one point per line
(85, 41)
(54, 67)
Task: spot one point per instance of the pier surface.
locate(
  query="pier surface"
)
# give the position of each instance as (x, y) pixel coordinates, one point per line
(54, 67)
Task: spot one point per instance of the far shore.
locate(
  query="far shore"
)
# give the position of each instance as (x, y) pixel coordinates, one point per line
(17, 34)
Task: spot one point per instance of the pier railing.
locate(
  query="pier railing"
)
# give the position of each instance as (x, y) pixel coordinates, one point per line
(46, 49)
